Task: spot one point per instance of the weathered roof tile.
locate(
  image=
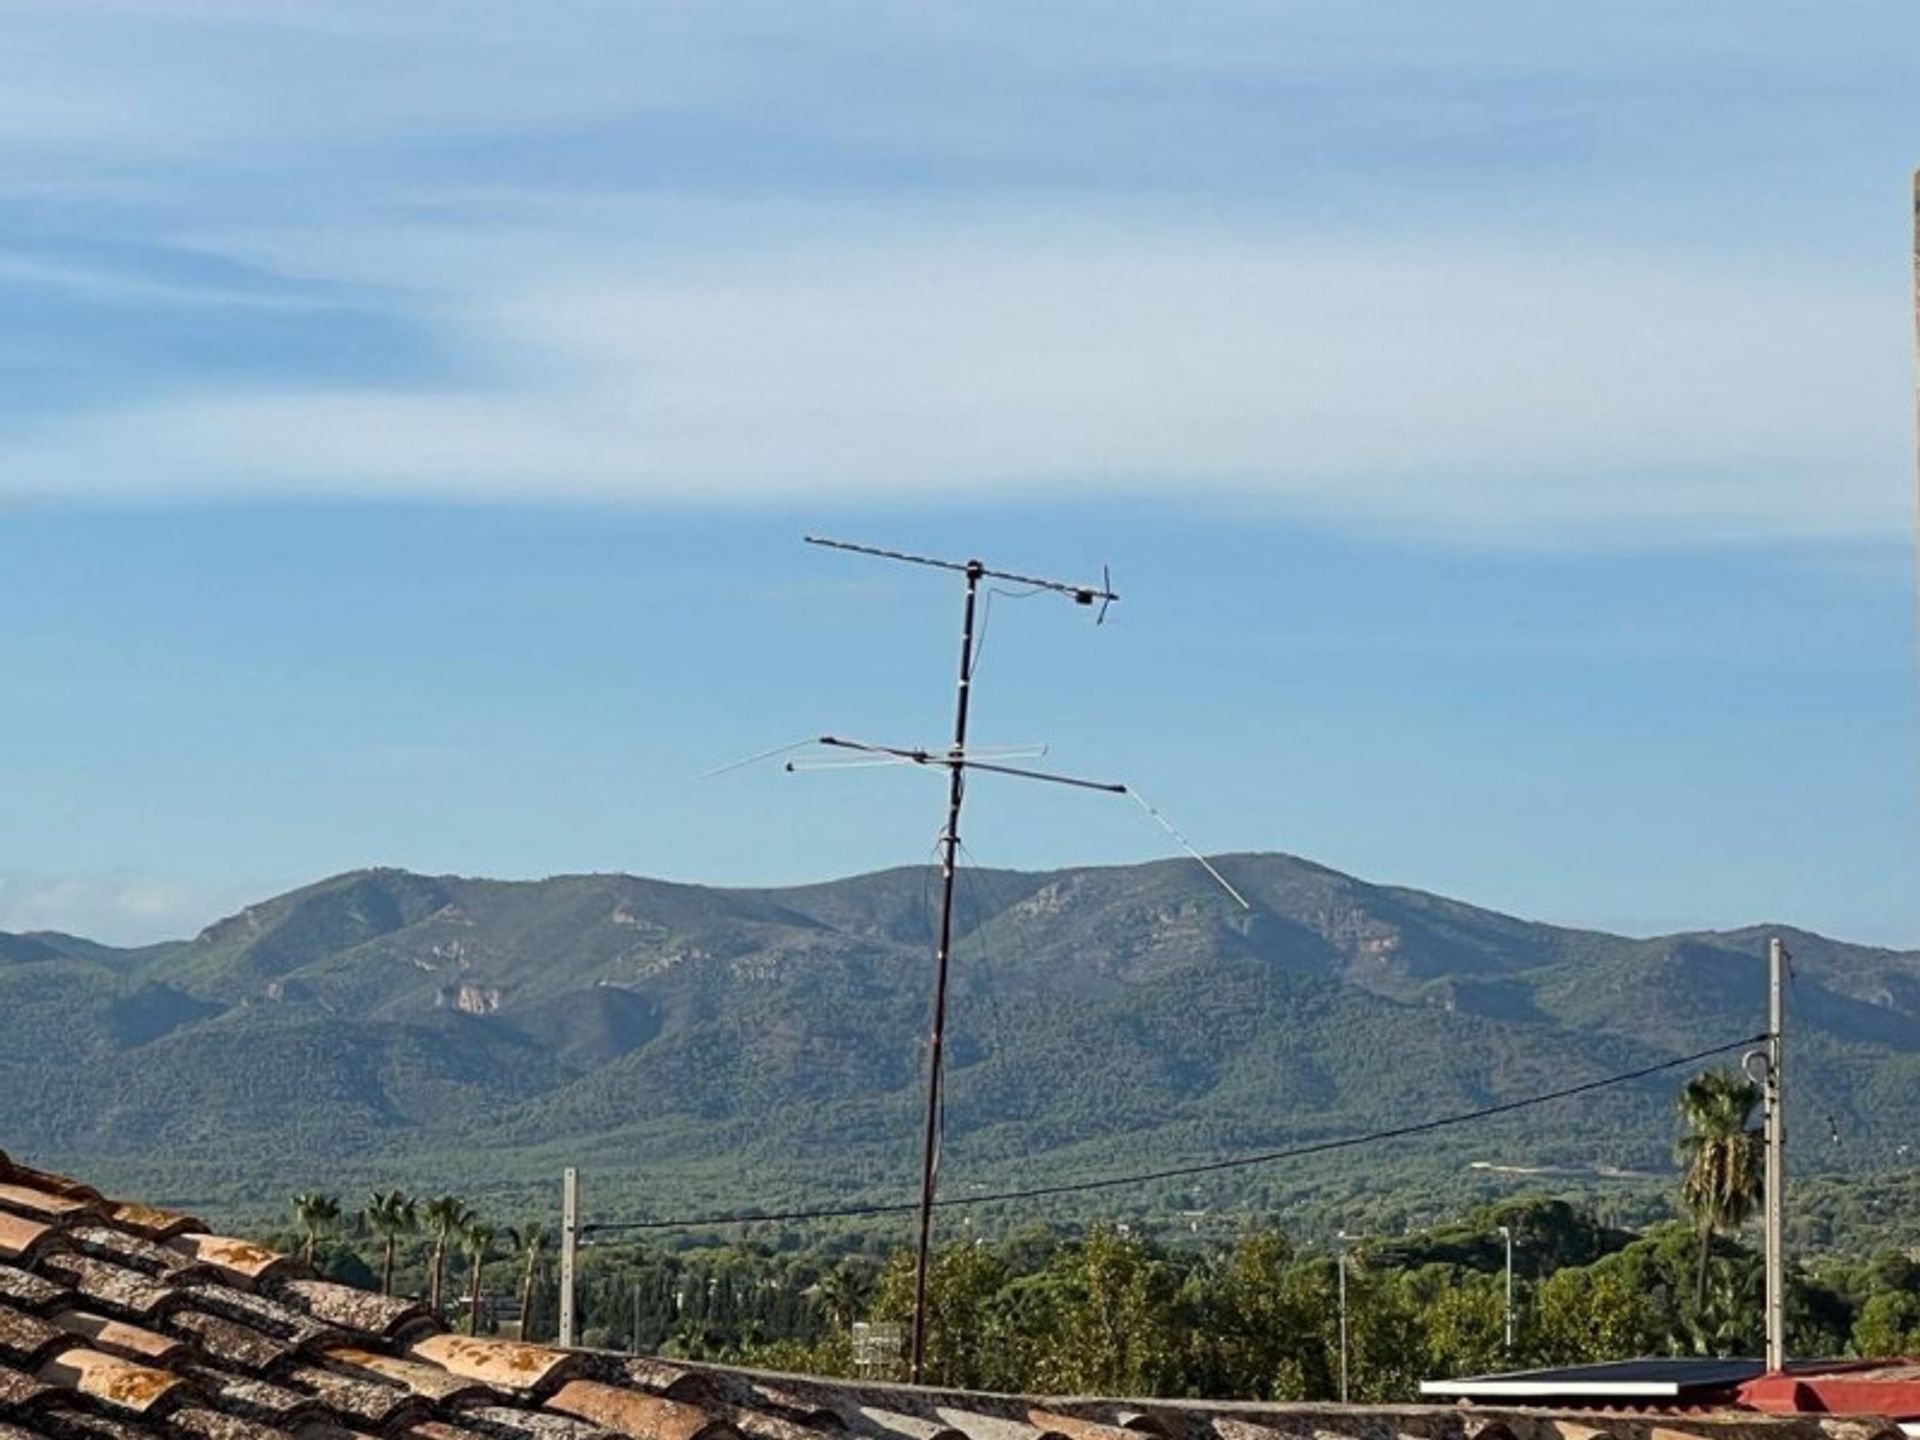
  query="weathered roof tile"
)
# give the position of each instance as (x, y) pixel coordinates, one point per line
(27, 1339)
(662, 1377)
(20, 1236)
(632, 1413)
(66, 1422)
(270, 1317)
(19, 1391)
(136, 1252)
(117, 1337)
(27, 1291)
(507, 1422)
(352, 1309)
(151, 1221)
(113, 1286)
(109, 1379)
(429, 1381)
(508, 1363)
(241, 1261)
(253, 1399)
(230, 1342)
(198, 1423)
(376, 1403)
(41, 1204)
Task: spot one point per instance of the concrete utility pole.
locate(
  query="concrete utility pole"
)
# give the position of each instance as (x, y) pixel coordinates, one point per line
(1506, 1233)
(569, 1244)
(1776, 1120)
(1765, 1067)
(1345, 1240)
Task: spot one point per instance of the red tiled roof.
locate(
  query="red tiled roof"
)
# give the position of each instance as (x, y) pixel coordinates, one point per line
(119, 1321)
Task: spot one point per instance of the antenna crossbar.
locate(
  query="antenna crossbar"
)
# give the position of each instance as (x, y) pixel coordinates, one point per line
(962, 760)
(1081, 594)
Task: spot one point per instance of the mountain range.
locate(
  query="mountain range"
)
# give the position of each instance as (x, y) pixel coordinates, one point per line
(724, 1049)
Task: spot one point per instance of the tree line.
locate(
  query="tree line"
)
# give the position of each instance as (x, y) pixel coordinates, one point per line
(392, 1219)
(1120, 1311)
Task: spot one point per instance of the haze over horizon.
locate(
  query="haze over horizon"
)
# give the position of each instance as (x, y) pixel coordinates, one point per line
(1499, 425)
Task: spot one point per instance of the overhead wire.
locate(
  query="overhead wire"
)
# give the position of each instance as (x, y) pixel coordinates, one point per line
(1174, 1172)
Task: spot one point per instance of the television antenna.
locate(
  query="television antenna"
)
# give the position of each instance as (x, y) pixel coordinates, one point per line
(957, 759)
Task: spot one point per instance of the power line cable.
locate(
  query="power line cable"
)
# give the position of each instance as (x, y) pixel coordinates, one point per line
(1076, 1187)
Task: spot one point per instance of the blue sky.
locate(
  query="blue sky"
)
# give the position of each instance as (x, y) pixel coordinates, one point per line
(1499, 420)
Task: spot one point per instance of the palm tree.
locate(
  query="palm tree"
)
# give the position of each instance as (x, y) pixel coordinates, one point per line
(390, 1214)
(446, 1216)
(531, 1243)
(477, 1238)
(1722, 1152)
(317, 1215)
(843, 1292)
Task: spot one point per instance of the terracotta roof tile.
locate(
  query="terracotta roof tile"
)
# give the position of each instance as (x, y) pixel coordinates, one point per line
(642, 1416)
(352, 1309)
(506, 1422)
(373, 1403)
(20, 1391)
(270, 1317)
(20, 1237)
(496, 1362)
(239, 1260)
(230, 1342)
(113, 1286)
(68, 1422)
(120, 1383)
(662, 1377)
(24, 1289)
(42, 1204)
(117, 1337)
(14, 1432)
(200, 1424)
(47, 1180)
(256, 1400)
(1074, 1428)
(27, 1339)
(877, 1419)
(154, 1223)
(421, 1379)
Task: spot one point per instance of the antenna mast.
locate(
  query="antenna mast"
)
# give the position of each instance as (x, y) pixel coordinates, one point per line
(957, 763)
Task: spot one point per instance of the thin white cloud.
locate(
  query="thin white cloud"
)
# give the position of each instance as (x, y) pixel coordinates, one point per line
(1468, 390)
(116, 907)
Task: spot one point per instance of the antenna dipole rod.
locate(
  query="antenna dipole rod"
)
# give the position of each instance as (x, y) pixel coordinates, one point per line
(1084, 594)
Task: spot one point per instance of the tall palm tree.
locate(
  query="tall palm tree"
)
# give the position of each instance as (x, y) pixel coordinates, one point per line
(531, 1242)
(477, 1239)
(447, 1217)
(1723, 1155)
(390, 1214)
(317, 1215)
(843, 1292)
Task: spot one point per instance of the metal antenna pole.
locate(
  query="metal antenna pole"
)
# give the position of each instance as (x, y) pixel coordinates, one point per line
(949, 858)
(1776, 1128)
(957, 762)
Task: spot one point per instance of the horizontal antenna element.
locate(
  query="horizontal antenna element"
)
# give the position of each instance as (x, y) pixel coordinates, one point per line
(1080, 594)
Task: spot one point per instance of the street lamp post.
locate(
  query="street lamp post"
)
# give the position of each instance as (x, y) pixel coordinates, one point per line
(1506, 1233)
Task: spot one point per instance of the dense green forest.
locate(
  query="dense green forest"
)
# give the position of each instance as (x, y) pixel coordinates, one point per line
(1117, 1309)
(1111, 1311)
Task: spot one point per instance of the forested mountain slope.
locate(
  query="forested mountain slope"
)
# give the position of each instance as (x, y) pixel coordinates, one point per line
(729, 1048)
